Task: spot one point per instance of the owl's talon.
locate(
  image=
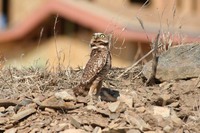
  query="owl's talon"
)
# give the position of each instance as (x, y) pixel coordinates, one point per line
(91, 102)
(99, 98)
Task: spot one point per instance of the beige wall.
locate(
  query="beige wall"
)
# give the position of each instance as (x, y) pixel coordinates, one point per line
(18, 10)
(73, 53)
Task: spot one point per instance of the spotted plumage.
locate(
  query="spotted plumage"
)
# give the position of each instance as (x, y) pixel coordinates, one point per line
(97, 67)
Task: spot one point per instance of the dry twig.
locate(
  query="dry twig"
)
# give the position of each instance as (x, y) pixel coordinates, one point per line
(152, 78)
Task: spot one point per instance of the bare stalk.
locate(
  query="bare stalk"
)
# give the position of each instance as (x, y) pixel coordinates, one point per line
(55, 39)
(152, 78)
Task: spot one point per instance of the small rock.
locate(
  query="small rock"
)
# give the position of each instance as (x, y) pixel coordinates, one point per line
(74, 122)
(127, 100)
(133, 131)
(90, 119)
(97, 130)
(141, 109)
(61, 127)
(2, 109)
(98, 120)
(165, 85)
(23, 114)
(192, 118)
(55, 123)
(180, 130)
(74, 131)
(91, 107)
(24, 130)
(163, 111)
(198, 85)
(177, 121)
(81, 99)
(165, 98)
(157, 131)
(136, 120)
(113, 106)
(32, 105)
(113, 125)
(186, 131)
(55, 103)
(167, 129)
(65, 96)
(8, 126)
(3, 121)
(114, 116)
(10, 109)
(151, 132)
(88, 128)
(4, 114)
(122, 123)
(137, 105)
(8, 102)
(122, 108)
(174, 104)
(45, 113)
(102, 104)
(25, 101)
(49, 110)
(12, 130)
(35, 130)
(104, 112)
(40, 124)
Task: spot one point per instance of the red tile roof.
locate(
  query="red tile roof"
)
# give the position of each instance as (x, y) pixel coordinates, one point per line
(78, 14)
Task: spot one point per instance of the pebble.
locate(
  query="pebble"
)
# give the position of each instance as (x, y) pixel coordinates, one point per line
(113, 106)
(65, 96)
(163, 111)
(141, 109)
(2, 109)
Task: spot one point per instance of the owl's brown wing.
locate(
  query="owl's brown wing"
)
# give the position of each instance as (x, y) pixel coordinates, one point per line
(95, 64)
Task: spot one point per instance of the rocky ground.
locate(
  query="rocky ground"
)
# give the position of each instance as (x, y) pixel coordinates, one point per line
(35, 100)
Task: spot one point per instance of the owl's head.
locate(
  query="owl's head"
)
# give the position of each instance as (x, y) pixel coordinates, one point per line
(100, 40)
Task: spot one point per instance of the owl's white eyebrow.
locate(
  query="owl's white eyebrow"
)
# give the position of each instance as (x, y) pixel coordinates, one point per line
(95, 47)
(101, 46)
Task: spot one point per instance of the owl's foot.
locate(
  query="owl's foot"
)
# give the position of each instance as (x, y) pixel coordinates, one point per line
(90, 100)
(93, 99)
(99, 98)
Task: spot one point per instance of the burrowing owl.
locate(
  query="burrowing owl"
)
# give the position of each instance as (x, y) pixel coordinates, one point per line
(97, 67)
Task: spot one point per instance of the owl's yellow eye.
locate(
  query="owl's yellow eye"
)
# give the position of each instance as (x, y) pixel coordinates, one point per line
(102, 36)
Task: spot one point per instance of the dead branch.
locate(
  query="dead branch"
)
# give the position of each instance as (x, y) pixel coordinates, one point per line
(152, 78)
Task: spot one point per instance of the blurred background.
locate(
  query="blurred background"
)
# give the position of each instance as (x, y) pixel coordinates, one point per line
(49, 32)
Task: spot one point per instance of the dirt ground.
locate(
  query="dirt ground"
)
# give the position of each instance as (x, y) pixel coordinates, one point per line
(32, 100)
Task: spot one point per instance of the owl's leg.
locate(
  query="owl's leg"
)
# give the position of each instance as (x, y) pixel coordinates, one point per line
(94, 88)
(99, 91)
